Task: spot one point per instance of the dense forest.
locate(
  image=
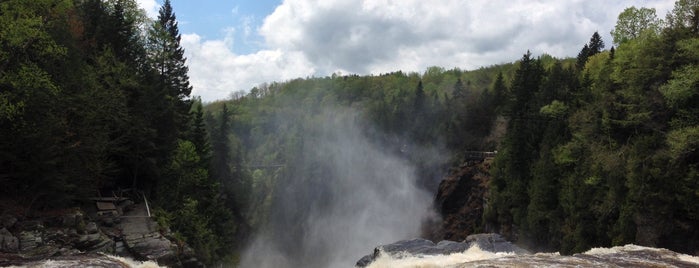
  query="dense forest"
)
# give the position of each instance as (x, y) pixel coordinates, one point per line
(96, 97)
(596, 150)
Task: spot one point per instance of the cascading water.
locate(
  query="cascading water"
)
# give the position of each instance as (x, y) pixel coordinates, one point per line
(626, 256)
(343, 194)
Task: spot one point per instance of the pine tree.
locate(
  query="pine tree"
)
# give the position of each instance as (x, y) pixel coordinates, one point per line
(198, 134)
(596, 45)
(499, 93)
(221, 154)
(168, 54)
(459, 90)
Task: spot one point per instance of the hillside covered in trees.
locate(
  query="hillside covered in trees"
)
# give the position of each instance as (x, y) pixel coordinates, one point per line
(597, 150)
(95, 97)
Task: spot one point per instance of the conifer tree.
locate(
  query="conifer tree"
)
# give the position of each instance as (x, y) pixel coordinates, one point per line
(168, 54)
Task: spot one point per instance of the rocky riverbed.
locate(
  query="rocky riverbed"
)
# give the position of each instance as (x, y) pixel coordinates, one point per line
(492, 250)
(75, 236)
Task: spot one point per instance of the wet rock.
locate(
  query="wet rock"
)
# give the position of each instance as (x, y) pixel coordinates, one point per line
(29, 240)
(30, 225)
(8, 242)
(460, 201)
(494, 243)
(423, 247)
(91, 228)
(72, 219)
(7, 221)
(152, 248)
(42, 251)
(142, 237)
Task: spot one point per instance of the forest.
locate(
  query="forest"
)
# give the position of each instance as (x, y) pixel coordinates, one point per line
(596, 150)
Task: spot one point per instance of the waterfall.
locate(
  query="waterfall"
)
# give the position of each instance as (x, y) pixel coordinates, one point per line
(343, 194)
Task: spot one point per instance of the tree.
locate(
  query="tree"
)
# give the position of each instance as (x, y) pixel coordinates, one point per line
(512, 166)
(221, 153)
(632, 22)
(685, 14)
(596, 45)
(168, 55)
(198, 134)
(459, 90)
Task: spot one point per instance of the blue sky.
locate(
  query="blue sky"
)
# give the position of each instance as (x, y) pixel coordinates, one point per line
(233, 46)
(215, 19)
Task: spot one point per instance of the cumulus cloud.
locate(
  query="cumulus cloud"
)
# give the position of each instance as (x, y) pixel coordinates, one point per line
(386, 35)
(316, 38)
(150, 6)
(215, 71)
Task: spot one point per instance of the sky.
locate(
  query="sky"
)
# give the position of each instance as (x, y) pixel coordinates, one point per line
(235, 45)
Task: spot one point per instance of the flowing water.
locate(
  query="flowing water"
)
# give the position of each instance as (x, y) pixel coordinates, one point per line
(344, 194)
(626, 256)
(89, 260)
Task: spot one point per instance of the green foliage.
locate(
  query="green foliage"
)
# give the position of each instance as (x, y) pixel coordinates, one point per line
(634, 21)
(613, 159)
(556, 109)
(85, 107)
(599, 150)
(683, 87)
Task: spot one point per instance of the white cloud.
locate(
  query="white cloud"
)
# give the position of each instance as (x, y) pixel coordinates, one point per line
(309, 37)
(150, 6)
(374, 36)
(215, 71)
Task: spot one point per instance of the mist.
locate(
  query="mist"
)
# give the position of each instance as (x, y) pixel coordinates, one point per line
(343, 195)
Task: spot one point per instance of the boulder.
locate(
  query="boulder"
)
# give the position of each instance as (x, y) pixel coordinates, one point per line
(423, 247)
(72, 219)
(29, 240)
(494, 243)
(8, 242)
(152, 247)
(91, 228)
(7, 221)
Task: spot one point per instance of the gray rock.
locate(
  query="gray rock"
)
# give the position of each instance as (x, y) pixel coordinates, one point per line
(8, 242)
(31, 225)
(29, 240)
(422, 247)
(494, 243)
(95, 243)
(91, 228)
(7, 221)
(152, 248)
(72, 219)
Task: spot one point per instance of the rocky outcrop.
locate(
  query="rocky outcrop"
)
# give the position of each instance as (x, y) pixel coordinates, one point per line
(142, 237)
(8, 242)
(44, 237)
(423, 247)
(460, 201)
(73, 233)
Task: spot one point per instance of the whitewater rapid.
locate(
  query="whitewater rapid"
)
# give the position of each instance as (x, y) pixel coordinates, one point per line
(89, 260)
(622, 256)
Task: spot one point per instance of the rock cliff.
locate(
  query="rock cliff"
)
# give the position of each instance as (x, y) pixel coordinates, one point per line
(75, 234)
(460, 201)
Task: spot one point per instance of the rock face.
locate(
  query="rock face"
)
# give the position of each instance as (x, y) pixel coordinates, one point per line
(73, 233)
(460, 200)
(8, 242)
(423, 247)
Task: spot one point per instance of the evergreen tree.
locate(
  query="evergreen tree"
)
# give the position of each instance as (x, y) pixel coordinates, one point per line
(459, 90)
(596, 45)
(511, 174)
(198, 133)
(168, 55)
(221, 153)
